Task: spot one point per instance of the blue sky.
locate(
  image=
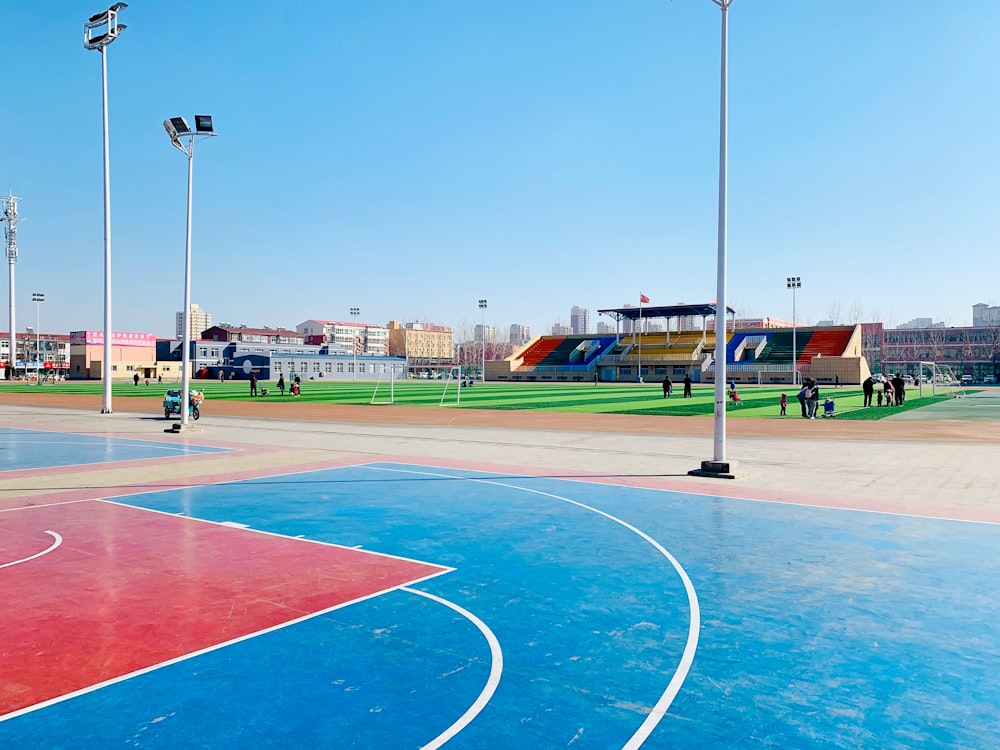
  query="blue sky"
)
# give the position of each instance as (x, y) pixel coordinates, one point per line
(410, 158)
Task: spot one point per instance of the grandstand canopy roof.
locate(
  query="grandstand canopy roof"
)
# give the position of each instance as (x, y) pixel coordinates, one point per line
(667, 311)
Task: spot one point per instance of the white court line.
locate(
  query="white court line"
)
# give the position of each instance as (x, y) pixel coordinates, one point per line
(200, 652)
(58, 540)
(661, 706)
(496, 669)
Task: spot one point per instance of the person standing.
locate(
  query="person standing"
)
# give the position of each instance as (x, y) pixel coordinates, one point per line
(595, 377)
(667, 387)
(687, 386)
(899, 389)
(801, 396)
(812, 398)
(784, 403)
(253, 384)
(281, 384)
(868, 389)
(135, 380)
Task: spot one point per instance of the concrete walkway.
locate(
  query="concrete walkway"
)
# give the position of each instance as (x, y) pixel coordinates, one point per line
(909, 471)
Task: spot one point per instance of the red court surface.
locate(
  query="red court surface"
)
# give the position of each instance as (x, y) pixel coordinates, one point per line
(128, 589)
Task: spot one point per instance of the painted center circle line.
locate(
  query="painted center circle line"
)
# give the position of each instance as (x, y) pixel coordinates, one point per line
(662, 705)
(57, 541)
(496, 669)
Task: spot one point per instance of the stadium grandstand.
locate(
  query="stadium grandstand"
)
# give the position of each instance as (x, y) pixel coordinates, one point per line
(755, 355)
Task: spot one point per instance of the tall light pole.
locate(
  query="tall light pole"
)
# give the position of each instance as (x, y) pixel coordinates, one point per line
(9, 219)
(482, 306)
(28, 330)
(38, 298)
(794, 282)
(96, 38)
(178, 128)
(719, 466)
(355, 312)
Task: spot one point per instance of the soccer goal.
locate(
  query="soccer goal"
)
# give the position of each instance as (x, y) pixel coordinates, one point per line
(392, 385)
(940, 379)
(453, 381)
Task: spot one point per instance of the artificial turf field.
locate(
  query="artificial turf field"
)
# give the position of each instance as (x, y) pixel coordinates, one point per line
(604, 398)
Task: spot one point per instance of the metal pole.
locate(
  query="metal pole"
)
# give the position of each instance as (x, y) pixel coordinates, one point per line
(106, 367)
(13, 323)
(719, 447)
(38, 336)
(795, 358)
(355, 311)
(186, 353)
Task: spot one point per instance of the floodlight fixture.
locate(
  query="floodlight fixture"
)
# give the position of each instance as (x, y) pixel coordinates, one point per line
(107, 18)
(203, 124)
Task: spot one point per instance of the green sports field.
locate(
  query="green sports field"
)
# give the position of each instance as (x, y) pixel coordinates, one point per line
(605, 398)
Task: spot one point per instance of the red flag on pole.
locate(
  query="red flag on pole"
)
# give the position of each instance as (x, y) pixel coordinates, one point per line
(643, 298)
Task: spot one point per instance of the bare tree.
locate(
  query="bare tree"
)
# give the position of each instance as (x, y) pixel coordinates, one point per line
(833, 312)
(855, 311)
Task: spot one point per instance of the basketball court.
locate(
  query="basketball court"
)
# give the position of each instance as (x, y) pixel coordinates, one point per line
(382, 582)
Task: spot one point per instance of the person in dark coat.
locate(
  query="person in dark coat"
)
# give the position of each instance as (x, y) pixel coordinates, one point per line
(868, 389)
(801, 396)
(687, 386)
(253, 385)
(281, 384)
(668, 387)
(899, 388)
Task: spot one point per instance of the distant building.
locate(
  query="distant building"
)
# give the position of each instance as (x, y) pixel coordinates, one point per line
(519, 334)
(604, 328)
(579, 320)
(760, 323)
(46, 351)
(365, 338)
(487, 334)
(421, 343)
(247, 335)
(920, 323)
(561, 329)
(131, 354)
(200, 320)
(983, 315)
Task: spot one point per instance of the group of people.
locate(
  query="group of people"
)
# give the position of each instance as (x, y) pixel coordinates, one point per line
(892, 392)
(668, 387)
(295, 390)
(808, 397)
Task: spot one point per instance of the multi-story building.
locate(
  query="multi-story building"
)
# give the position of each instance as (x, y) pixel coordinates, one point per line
(604, 328)
(365, 338)
(225, 332)
(48, 352)
(971, 351)
(920, 323)
(487, 334)
(421, 343)
(983, 315)
(519, 334)
(561, 329)
(131, 354)
(200, 320)
(579, 320)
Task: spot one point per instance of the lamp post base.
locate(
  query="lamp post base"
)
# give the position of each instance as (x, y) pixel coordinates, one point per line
(177, 428)
(715, 469)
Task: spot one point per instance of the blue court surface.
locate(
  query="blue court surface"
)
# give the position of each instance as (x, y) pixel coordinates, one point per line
(580, 615)
(36, 449)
